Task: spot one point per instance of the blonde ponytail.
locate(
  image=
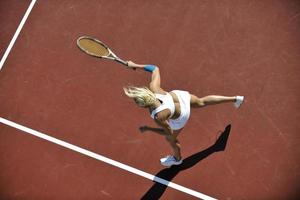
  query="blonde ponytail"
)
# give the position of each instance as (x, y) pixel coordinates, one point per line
(142, 95)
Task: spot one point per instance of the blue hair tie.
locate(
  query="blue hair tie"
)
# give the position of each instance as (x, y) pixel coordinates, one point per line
(149, 68)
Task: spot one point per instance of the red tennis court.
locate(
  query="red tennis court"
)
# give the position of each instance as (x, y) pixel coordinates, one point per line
(225, 47)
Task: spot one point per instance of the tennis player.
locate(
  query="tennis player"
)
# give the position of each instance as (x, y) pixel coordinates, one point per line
(170, 110)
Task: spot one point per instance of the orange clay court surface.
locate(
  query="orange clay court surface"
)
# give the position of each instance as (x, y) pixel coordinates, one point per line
(226, 47)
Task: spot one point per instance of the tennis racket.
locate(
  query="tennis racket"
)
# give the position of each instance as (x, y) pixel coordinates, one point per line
(96, 48)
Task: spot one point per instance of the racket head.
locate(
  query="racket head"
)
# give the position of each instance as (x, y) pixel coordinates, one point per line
(93, 47)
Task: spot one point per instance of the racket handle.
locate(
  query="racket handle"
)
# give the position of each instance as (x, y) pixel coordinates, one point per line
(122, 61)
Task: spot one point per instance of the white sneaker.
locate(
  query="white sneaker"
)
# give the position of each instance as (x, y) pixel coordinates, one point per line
(165, 158)
(169, 161)
(238, 101)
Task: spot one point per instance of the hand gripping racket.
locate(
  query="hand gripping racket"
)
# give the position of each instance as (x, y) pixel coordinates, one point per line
(96, 48)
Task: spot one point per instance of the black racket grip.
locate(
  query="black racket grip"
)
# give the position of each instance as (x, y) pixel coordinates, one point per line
(121, 61)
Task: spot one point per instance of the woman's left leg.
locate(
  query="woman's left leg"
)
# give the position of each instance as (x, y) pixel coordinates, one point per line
(210, 100)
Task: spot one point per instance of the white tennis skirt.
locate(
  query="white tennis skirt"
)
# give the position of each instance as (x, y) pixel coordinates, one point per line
(184, 98)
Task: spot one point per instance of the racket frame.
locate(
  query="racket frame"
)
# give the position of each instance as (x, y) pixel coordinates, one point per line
(110, 56)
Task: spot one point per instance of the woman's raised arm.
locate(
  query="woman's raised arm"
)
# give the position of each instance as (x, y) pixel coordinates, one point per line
(155, 77)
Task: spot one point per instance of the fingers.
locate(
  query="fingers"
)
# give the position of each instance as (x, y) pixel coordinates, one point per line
(131, 65)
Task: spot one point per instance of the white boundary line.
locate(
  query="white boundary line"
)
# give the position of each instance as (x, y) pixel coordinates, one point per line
(106, 160)
(13, 40)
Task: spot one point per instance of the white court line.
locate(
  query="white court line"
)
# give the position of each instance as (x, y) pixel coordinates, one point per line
(106, 160)
(13, 40)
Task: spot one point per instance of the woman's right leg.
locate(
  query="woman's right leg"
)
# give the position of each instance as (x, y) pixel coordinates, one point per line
(210, 100)
(175, 144)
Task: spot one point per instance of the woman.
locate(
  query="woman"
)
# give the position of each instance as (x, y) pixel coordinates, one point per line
(170, 110)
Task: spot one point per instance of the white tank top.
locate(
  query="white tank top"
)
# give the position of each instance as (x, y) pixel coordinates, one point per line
(167, 103)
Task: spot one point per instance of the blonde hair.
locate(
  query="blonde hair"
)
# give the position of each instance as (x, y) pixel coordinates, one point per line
(142, 95)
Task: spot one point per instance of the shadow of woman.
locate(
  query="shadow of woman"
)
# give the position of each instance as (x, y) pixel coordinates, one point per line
(157, 190)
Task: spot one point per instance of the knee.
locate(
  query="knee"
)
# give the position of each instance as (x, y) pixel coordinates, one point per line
(173, 141)
(201, 102)
(169, 139)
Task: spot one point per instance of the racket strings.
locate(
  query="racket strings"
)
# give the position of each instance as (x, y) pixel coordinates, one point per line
(93, 47)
